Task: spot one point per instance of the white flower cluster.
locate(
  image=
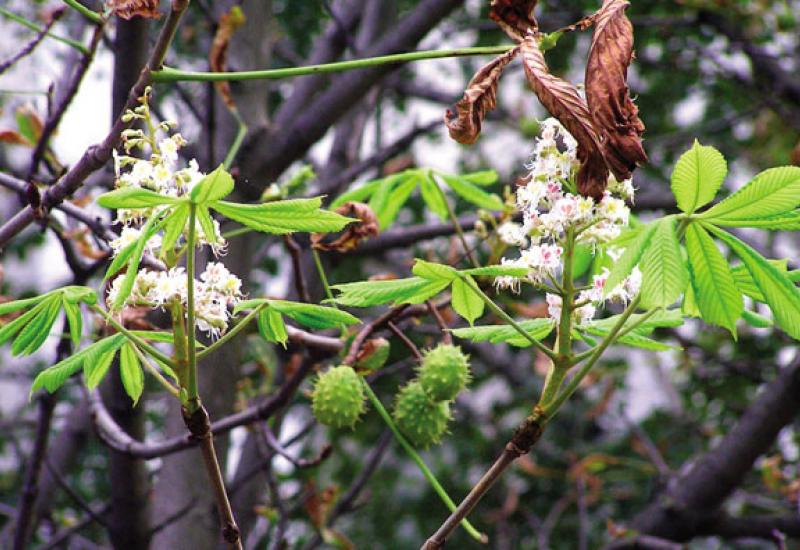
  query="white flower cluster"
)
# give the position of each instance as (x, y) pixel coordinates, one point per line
(549, 211)
(214, 292)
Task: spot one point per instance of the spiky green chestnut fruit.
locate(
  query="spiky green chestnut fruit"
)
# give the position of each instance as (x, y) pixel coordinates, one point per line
(421, 420)
(444, 372)
(338, 397)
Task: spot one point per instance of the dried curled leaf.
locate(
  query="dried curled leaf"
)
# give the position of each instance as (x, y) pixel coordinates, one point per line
(479, 98)
(354, 233)
(515, 17)
(218, 56)
(562, 100)
(128, 9)
(614, 113)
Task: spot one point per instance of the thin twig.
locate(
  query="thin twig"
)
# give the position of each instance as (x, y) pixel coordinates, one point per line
(297, 269)
(406, 340)
(447, 336)
(30, 46)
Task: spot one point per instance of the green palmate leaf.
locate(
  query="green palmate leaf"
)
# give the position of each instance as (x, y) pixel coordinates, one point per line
(433, 271)
(75, 321)
(465, 300)
(433, 196)
(689, 305)
(497, 271)
(35, 332)
(413, 290)
(697, 177)
(173, 228)
(485, 177)
(634, 249)
(718, 298)
(134, 258)
(75, 294)
(582, 259)
(755, 320)
(312, 315)
(10, 329)
(133, 197)
(381, 196)
(771, 193)
(98, 359)
(538, 329)
(789, 221)
(745, 282)
(360, 194)
(282, 217)
(660, 319)
(206, 224)
(131, 372)
(395, 201)
(272, 327)
(633, 339)
(215, 186)
(664, 273)
(471, 193)
(16, 305)
(779, 292)
(54, 377)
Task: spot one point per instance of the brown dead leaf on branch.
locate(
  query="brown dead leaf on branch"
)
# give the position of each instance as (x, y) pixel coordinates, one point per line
(353, 234)
(218, 56)
(515, 17)
(479, 98)
(128, 9)
(613, 111)
(606, 125)
(563, 101)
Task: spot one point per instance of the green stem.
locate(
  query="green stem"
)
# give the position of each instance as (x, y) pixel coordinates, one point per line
(552, 407)
(387, 418)
(237, 141)
(34, 27)
(132, 337)
(231, 333)
(175, 392)
(191, 382)
(168, 74)
(92, 16)
(454, 220)
(497, 310)
(323, 277)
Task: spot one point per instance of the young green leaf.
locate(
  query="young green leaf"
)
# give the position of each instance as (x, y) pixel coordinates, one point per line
(497, 271)
(96, 368)
(466, 301)
(282, 217)
(664, 273)
(538, 329)
(771, 193)
(755, 320)
(660, 319)
(634, 249)
(16, 305)
(173, 228)
(131, 372)
(433, 196)
(312, 315)
(215, 186)
(715, 290)
(779, 292)
(745, 282)
(471, 193)
(380, 198)
(75, 322)
(789, 221)
(697, 177)
(34, 333)
(485, 177)
(206, 224)
(54, 377)
(272, 327)
(395, 201)
(359, 194)
(413, 290)
(632, 339)
(133, 197)
(149, 229)
(433, 271)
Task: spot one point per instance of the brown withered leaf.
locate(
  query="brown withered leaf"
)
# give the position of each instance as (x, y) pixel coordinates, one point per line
(562, 100)
(479, 98)
(218, 56)
(515, 17)
(353, 234)
(12, 137)
(613, 111)
(128, 9)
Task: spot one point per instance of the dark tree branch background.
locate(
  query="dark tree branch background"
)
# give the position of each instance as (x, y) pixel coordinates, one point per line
(698, 446)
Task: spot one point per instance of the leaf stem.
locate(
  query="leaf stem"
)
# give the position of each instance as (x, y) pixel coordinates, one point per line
(237, 141)
(387, 418)
(231, 333)
(497, 310)
(175, 392)
(322, 277)
(168, 74)
(91, 15)
(132, 337)
(454, 220)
